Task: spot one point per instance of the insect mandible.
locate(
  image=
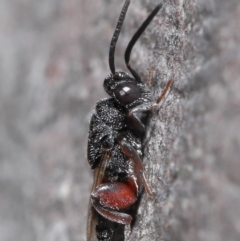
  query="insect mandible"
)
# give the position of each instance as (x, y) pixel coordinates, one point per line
(116, 132)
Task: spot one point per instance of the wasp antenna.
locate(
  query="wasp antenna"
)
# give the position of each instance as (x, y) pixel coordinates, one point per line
(115, 36)
(136, 37)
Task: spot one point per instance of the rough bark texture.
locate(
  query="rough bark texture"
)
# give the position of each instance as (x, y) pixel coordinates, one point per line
(53, 59)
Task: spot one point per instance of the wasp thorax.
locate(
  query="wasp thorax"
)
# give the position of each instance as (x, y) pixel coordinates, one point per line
(127, 93)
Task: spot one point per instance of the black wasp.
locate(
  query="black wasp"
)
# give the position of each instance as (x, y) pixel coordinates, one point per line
(116, 131)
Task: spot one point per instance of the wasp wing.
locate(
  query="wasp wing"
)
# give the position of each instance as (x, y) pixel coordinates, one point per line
(98, 177)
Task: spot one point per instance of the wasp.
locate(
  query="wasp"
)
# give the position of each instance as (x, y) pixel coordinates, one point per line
(117, 129)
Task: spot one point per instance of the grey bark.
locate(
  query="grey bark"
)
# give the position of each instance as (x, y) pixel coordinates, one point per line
(53, 59)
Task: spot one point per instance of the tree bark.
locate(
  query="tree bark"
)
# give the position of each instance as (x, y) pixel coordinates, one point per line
(53, 59)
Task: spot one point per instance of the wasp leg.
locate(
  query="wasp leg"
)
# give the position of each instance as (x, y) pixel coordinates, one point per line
(110, 197)
(165, 92)
(133, 117)
(112, 215)
(132, 154)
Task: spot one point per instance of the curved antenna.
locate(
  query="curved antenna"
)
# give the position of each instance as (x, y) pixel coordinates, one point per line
(115, 36)
(136, 37)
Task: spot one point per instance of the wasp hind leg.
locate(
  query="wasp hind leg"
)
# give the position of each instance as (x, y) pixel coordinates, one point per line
(133, 155)
(114, 216)
(109, 198)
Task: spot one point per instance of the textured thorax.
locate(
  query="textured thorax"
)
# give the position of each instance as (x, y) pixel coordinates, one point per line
(111, 114)
(106, 122)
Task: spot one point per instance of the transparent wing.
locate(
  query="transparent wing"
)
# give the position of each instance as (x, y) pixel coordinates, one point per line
(98, 177)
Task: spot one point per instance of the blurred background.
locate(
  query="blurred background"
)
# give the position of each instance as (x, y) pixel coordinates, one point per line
(53, 59)
(48, 87)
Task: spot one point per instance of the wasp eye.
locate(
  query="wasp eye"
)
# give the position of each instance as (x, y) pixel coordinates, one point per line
(126, 93)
